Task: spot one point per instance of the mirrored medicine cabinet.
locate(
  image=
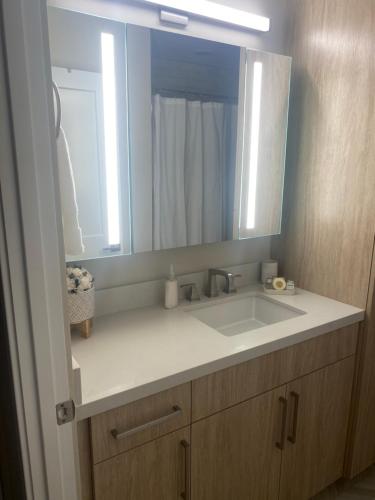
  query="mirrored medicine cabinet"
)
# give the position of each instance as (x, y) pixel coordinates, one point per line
(164, 140)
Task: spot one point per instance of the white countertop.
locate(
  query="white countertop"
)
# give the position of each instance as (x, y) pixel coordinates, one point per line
(137, 353)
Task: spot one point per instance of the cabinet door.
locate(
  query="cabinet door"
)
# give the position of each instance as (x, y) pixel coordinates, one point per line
(158, 470)
(235, 455)
(318, 415)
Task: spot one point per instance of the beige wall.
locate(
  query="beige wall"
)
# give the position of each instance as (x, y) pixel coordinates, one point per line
(115, 271)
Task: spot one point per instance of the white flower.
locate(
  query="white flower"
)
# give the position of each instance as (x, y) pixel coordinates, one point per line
(70, 284)
(78, 279)
(85, 283)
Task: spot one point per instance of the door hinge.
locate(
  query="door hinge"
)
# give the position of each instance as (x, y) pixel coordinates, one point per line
(65, 412)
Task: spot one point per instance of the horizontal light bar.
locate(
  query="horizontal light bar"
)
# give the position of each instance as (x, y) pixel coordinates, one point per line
(217, 12)
(173, 18)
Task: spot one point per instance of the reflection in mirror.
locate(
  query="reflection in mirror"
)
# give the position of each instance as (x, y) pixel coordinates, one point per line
(192, 89)
(88, 67)
(202, 125)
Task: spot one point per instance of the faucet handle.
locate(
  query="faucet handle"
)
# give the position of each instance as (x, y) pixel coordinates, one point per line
(232, 281)
(192, 292)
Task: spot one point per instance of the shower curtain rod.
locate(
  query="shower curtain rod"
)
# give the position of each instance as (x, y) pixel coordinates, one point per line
(194, 95)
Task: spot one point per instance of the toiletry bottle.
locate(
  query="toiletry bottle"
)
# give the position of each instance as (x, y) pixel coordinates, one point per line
(290, 285)
(171, 290)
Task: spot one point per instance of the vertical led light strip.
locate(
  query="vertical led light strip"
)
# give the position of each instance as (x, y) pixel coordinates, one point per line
(254, 143)
(110, 137)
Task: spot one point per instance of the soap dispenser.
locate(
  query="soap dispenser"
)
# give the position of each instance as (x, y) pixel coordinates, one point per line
(171, 290)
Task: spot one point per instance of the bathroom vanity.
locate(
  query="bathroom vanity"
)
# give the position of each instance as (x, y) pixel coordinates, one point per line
(177, 407)
(177, 139)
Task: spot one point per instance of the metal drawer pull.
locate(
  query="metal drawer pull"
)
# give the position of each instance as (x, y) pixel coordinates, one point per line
(121, 435)
(293, 437)
(280, 444)
(187, 448)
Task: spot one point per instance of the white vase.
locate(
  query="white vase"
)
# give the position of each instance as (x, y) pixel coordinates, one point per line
(81, 306)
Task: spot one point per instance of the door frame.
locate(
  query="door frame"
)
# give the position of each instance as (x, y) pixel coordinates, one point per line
(32, 254)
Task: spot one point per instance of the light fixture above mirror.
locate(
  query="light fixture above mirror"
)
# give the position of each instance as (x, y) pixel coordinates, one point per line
(217, 12)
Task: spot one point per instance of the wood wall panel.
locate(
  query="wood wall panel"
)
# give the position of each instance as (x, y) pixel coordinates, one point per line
(361, 452)
(327, 237)
(329, 211)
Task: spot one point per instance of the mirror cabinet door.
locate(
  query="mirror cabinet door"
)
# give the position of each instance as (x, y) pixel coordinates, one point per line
(88, 57)
(183, 93)
(261, 145)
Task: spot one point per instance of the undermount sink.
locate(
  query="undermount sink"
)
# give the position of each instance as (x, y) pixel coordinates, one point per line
(243, 314)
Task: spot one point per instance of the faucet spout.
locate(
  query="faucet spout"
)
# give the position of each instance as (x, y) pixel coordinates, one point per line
(212, 273)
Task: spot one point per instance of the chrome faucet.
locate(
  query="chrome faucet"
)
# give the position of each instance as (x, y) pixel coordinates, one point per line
(191, 291)
(212, 289)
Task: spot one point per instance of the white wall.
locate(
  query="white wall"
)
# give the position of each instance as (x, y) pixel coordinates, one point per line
(74, 39)
(115, 271)
(277, 11)
(126, 269)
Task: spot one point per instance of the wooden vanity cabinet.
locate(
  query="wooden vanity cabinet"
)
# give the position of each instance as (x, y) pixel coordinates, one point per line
(140, 450)
(139, 422)
(230, 386)
(288, 443)
(274, 427)
(159, 470)
(318, 415)
(236, 453)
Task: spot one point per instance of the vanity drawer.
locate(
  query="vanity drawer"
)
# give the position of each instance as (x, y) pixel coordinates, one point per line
(233, 385)
(123, 428)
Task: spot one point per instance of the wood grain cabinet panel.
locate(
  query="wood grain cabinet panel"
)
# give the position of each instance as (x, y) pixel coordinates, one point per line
(234, 453)
(228, 387)
(158, 470)
(171, 408)
(361, 450)
(319, 406)
(85, 460)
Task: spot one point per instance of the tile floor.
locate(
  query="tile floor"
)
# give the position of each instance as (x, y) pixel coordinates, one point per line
(362, 488)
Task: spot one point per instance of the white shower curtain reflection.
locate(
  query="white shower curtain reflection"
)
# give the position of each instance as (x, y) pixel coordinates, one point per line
(193, 171)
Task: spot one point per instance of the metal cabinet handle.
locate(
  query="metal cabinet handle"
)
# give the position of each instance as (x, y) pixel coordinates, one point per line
(280, 444)
(187, 458)
(176, 412)
(293, 436)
